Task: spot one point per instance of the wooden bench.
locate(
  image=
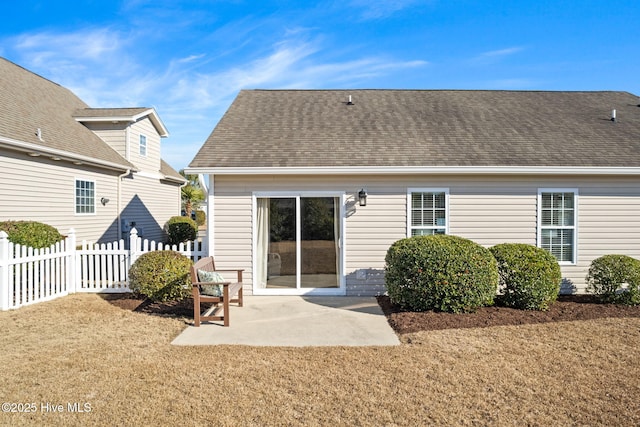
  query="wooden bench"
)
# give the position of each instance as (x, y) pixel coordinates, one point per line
(231, 292)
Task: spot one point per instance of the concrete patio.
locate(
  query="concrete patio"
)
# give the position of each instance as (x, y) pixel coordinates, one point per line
(297, 321)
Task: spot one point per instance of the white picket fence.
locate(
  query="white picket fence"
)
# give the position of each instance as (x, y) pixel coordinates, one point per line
(29, 276)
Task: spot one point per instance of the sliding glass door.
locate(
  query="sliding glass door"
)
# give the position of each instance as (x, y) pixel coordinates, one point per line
(297, 244)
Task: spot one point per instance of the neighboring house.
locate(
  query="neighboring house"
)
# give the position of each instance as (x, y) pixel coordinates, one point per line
(286, 167)
(95, 170)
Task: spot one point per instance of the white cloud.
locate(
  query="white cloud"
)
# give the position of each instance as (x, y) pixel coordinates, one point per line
(380, 9)
(493, 56)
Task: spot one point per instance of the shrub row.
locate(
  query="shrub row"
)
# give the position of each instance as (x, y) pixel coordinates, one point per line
(449, 273)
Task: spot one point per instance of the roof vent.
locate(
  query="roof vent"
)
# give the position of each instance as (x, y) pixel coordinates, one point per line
(39, 134)
(349, 102)
(613, 115)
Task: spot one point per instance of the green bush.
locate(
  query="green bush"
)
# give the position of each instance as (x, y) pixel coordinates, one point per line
(440, 272)
(31, 233)
(161, 276)
(615, 279)
(201, 217)
(181, 229)
(530, 277)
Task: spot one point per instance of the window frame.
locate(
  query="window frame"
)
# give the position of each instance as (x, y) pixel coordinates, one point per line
(574, 227)
(409, 201)
(76, 205)
(142, 147)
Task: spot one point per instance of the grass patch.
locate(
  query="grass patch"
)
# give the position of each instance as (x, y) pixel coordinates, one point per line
(83, 349)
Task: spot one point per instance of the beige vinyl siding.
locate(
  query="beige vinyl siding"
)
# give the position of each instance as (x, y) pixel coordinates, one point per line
(149, 203)
(40, 189)
(113, 134)
(496, 218)
(486, 209)
(151, 162)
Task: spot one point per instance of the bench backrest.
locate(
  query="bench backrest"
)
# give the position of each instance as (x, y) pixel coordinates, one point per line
(205, 263)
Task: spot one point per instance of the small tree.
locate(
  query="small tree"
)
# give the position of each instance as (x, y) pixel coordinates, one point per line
(191, 194)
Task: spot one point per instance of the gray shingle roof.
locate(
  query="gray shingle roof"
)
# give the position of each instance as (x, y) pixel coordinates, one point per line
(170, 173)
(30, 102)
(416, 128)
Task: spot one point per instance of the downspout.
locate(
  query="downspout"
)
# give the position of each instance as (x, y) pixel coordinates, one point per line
(127, 152)
(205, 189)
(119, 202)
(210, 217)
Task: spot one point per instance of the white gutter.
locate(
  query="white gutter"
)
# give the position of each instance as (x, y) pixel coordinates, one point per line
(38, 150)
(415, 170)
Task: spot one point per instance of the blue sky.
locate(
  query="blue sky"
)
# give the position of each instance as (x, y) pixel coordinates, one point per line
(189, 59)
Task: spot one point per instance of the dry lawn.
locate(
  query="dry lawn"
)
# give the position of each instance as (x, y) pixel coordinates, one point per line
(81, 349)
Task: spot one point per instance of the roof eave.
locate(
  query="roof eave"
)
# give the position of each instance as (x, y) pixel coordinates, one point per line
(35, 150)
(416, 170)
(174, 179)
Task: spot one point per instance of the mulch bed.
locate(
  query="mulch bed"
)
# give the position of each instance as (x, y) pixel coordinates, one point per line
(131, 302)
(566, 308)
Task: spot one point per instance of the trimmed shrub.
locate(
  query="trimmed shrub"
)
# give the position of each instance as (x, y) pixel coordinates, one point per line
(201, 217)
(440, 272)
(181, 229)
(31, 233)
(615, 279)
(530, 277)
(161, 276)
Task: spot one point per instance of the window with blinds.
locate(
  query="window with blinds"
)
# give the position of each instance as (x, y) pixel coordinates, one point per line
(85, 197)
(427, 212)
(557, 224)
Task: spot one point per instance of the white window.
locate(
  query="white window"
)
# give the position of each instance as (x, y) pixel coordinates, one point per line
(85, 197)
(428, 211)
(557, 220)
(143, 145)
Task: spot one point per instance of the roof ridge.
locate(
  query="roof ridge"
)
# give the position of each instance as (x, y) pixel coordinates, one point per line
(433, 90)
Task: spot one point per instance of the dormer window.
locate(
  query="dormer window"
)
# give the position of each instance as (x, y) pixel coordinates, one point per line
(143, 145)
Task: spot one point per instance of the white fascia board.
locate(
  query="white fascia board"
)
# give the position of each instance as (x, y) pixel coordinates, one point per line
(155, 119)
(40, 150)
(105, 119)
(414, 170)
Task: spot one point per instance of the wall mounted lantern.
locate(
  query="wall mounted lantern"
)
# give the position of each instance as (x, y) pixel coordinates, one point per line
(362, 197)
(104, 201)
